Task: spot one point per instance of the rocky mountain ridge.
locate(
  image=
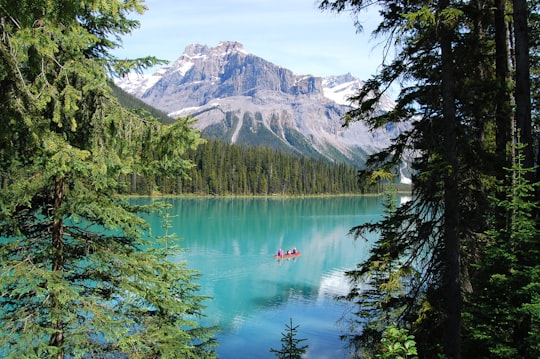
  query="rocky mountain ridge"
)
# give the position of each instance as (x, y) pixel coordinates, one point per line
(241, 98)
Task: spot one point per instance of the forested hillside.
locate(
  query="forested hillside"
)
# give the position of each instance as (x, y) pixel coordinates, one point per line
(224, 169)
(134, 103)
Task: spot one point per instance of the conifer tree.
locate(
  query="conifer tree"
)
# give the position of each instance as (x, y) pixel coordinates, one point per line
(290, 344)
(503, 320)
(77, 277)
(459, 92)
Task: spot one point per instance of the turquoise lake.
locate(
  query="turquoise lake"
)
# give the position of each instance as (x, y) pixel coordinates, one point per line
(232, 242)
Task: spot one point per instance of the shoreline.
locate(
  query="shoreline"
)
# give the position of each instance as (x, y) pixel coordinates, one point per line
(270, 196)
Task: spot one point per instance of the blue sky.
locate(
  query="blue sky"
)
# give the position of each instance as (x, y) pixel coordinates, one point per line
(291, 33)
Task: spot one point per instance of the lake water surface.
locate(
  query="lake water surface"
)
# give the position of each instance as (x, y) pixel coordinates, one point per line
(232, 242)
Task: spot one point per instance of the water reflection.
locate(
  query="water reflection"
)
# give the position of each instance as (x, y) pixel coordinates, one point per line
(333, 284)
(233, 241)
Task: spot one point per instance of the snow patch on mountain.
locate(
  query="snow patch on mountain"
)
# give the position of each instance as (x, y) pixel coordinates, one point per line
(137, 84)
(335, 88)
(340, 88)
(183, 68)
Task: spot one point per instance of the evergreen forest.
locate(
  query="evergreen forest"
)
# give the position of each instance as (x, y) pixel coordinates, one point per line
(223, 169)
(455, 272)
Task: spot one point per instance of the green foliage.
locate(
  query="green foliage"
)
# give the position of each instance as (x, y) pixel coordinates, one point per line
(290, 344)
(379, 178)
(503, 315)
(396, 343)
(459, 89)
(224, 169)
(381, 285)
(78, 279)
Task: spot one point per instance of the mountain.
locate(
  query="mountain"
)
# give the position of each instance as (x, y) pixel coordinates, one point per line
(242, 98)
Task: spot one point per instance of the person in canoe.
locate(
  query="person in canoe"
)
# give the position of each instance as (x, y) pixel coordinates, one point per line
(290, 253)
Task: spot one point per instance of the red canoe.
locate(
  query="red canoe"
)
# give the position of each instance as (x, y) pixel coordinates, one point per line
(285, 255)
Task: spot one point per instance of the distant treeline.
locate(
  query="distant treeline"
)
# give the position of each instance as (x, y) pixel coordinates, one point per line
(225, 169)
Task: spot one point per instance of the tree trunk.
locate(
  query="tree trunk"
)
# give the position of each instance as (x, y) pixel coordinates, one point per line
(503, 116)
(133, 186)
(523, 86)
(451, 247)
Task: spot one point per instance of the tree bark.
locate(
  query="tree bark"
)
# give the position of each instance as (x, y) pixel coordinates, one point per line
(133, 186)
(452, 301)
(503, 115)
(523, 86)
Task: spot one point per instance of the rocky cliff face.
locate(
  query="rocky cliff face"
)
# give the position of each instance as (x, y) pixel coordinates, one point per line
(241, 98)
(203, 74)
